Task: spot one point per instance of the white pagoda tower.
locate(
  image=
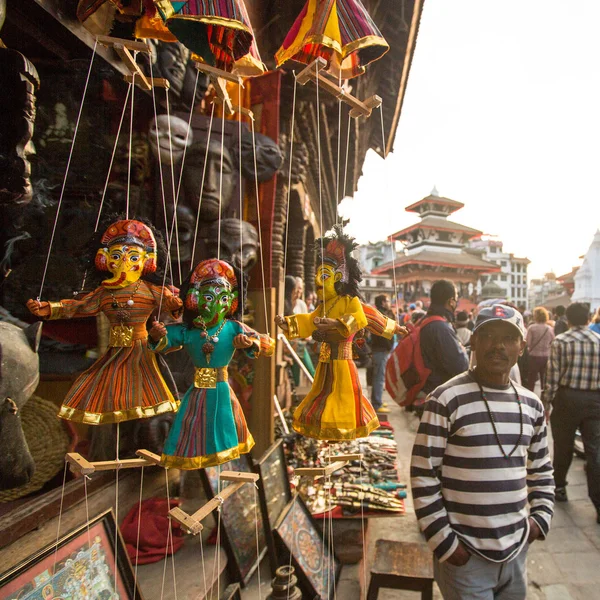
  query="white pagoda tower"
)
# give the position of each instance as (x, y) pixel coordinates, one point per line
(587, 278)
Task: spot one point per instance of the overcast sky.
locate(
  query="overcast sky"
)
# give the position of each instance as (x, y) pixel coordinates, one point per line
(502, 113)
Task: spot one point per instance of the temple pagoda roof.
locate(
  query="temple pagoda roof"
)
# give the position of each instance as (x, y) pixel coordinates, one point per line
(439, 224)
(456, 260)
(452, 205)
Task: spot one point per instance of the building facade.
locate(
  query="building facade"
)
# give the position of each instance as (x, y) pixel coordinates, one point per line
(587, 278)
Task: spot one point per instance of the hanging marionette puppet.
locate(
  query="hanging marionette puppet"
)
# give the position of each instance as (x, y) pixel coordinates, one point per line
(124, 383)
(210, 428)
(335, 408)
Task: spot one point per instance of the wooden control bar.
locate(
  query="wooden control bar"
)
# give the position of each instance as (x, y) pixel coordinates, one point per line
(336, 462)
(192, 523)
(78, 464)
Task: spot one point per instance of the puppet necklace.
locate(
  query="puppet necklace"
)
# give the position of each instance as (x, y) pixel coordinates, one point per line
(123, 314)
(209, 345)
(493, 420)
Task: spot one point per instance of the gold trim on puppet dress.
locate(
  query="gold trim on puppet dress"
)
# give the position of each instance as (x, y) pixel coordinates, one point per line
(207, 377)
(211, 460)
(335, 434)
(117, 416)
(293, 332)
(390, 329)
(55, 311)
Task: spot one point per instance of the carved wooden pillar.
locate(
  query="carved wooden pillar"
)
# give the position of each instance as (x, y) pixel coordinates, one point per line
(309, 260)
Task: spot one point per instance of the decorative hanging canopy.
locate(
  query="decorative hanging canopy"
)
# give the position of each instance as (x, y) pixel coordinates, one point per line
(218, 32)
(339, 31)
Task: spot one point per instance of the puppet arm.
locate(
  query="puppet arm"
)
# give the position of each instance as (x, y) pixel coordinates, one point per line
(171, 341)
(169, 300)
(260, 343)
(379, 324)
(301, 325)
(88, 306)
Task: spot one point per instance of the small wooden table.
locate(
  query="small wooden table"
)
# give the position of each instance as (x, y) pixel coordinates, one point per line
(402, 566)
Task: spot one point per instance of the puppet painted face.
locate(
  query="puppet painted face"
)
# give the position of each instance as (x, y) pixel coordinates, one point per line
(325, 280)
(215, 302)
(125, 262)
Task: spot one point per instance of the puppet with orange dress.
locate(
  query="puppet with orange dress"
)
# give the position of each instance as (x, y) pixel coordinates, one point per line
(335, 407)
(124, 383)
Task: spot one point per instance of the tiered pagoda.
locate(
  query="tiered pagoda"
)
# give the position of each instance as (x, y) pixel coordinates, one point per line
(435, 248)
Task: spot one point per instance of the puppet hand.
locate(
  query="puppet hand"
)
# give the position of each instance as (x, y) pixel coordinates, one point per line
(39, 309)
(401, 330)
(325, 324)
(241, 341)
(158, 331)
(281, 322)
(175, 303)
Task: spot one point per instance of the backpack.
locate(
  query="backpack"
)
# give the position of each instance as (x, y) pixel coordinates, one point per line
(405, 372)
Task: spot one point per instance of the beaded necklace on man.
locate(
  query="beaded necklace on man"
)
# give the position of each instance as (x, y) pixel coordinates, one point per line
(493, 418)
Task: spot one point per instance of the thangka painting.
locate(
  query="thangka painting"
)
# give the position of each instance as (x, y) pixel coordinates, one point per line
(83, 568)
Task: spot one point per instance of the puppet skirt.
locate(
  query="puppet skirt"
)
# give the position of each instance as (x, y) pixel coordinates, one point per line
(122, 385)
(335, 408)
(209, 429)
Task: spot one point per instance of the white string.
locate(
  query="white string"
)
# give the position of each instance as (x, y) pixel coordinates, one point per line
(221, 185)
(175, 222)
(320, 191)
(339, 139)
(262, 259)
(203, 565)
(162, 589)
(168, 266)
(62, 191)
(293, 541)
(112, 158)
(130, 144)
(240, 185)
(362, 522)
(212, 114)
(170, 535)
(257, 542)
(347, 151)
(137, 544)
(330, 562)
(117, 510)
(62, 498)
(87, 511)
(392, 241)
(289, 194)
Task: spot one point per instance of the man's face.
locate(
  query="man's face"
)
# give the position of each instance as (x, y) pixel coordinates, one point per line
(385, 303)
(497, 346)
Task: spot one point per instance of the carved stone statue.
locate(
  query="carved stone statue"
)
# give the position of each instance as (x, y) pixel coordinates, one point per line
(269, 157)
(192, 178)
(242, 256)
(171, 141)
(19, 376)
(172, 61)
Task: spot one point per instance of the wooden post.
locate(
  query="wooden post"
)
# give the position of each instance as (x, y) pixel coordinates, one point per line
(261, 422)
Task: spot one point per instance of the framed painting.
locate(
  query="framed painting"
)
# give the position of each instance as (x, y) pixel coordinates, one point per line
(238, 522)
(274, 493)
(317, 567)
(81, 566)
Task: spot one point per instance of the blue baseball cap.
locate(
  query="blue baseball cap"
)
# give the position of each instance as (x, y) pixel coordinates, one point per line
(500, 312)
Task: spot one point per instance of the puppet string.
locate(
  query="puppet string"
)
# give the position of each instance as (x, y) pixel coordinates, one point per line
(289, 190)
(241, 283)
(212, 114)
(64, 183)
(203, 564)
(87, 511)
(62, 498)
(339, 139)
(170, 535)
(262, 257)
(318, 115)
(325, 515)
(117, 507)
(347, 152)
(221, 184)
(168, 266)
(330, 561)
(175, 222)
(137, 543)
(257, 542)
(293, 540)
(362, 523)
(130, 144)
(392, 241)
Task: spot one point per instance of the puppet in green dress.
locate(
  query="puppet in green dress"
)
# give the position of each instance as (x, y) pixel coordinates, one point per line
(210, 428)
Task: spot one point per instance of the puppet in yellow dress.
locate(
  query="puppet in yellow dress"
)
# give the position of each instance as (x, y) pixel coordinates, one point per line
(124, 383)
(335, 407)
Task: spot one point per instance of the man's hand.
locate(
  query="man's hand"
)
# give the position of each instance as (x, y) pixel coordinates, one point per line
(158, 331)
(460, 556)
(281, 322)
(39, 309)
(241, 341)
(534, 531)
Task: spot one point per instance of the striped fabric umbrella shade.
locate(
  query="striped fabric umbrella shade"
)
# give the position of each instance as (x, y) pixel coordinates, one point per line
(340, 31)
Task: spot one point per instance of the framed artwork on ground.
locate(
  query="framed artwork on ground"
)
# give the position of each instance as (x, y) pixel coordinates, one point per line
(317, 567)
(82, 565)
(239, 517)
(274, 494)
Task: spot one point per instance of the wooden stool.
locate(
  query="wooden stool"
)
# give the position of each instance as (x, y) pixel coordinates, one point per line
(402, 566)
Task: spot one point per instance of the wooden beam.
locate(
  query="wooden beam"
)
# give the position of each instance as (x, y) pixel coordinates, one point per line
(346, 457)
(154, 81)
(124, 48)
(239, 476)
(359, 108)
(111, 42)
(215, 73)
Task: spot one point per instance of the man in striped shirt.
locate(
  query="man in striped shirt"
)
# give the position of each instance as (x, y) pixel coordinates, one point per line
(481, 473)
(573, 392)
